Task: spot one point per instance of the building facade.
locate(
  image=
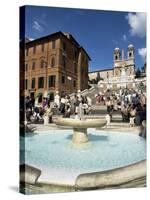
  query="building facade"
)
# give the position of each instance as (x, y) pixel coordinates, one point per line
(123, 72)
(100, 74)
(54, 63)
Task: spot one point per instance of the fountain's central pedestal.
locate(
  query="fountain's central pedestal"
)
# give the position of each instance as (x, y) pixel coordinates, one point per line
(79, 135)
(80, 127)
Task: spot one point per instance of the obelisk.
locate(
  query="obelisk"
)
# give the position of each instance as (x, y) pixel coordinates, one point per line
(123, 73)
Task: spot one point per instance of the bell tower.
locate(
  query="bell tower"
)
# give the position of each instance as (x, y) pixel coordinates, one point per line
(117, 60)
(130, 51)
(117, 54)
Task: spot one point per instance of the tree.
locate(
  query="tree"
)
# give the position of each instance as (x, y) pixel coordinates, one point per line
(98, 77)
(138, 72)
(144, 68)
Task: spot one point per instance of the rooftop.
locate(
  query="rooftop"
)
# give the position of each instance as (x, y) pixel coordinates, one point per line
(68, 36)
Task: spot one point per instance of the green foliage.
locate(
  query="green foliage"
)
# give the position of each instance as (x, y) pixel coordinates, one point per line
(138, 73)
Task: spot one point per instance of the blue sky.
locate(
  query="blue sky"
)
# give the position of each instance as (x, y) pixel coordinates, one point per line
(99, 32)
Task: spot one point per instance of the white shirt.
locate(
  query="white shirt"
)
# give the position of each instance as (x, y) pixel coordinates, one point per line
(63, 100)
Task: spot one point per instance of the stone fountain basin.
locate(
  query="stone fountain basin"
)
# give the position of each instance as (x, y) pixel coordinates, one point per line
(80, 127)
(84, 123)
(130, 174)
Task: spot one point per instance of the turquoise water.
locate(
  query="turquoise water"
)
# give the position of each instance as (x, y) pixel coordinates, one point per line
(54, 150)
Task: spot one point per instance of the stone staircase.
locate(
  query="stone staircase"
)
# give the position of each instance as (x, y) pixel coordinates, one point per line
(90, 93)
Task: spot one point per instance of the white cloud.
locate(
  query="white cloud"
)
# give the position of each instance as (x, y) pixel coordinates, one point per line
(124, 38)
(137, 24)
(31, 39)
(142, 52)
(41, 21)
(37, 26)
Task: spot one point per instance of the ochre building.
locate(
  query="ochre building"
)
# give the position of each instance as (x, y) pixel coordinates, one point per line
(54, 63)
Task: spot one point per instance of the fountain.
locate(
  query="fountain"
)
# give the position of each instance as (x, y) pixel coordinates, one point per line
(55, 158)
(80, 127)
(61, 161)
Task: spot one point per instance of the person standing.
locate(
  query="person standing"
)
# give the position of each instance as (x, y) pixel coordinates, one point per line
(62, 105)
(143, 99)
(89, 103)
(77, 102)
(132, 116)
(57, 100)
(67, 109)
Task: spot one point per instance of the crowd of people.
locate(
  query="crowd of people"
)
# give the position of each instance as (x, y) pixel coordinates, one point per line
(37, 111)
(78, 105)
(131, 105)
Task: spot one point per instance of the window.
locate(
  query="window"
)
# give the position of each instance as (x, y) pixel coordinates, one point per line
(41, 82)
(63, 79)
(116, 57)
(74, 83)
(64, 46)
(42, 47)
(42, 63)
(33, 83)
(75, 67)
(34, 49)
(53, 62)
(63, 61)
(26, 67)
(51, 81)
(27, 52)
(53, 44)
(26, 84)
(74, 53)
(33, 65)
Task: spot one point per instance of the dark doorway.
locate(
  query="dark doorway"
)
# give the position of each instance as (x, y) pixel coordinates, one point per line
(51, 97)
(40, 98)
(32, 95)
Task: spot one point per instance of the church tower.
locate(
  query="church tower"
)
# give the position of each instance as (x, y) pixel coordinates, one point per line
(117, 61)
(130, 60)
(116, 54)
(130, 51)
